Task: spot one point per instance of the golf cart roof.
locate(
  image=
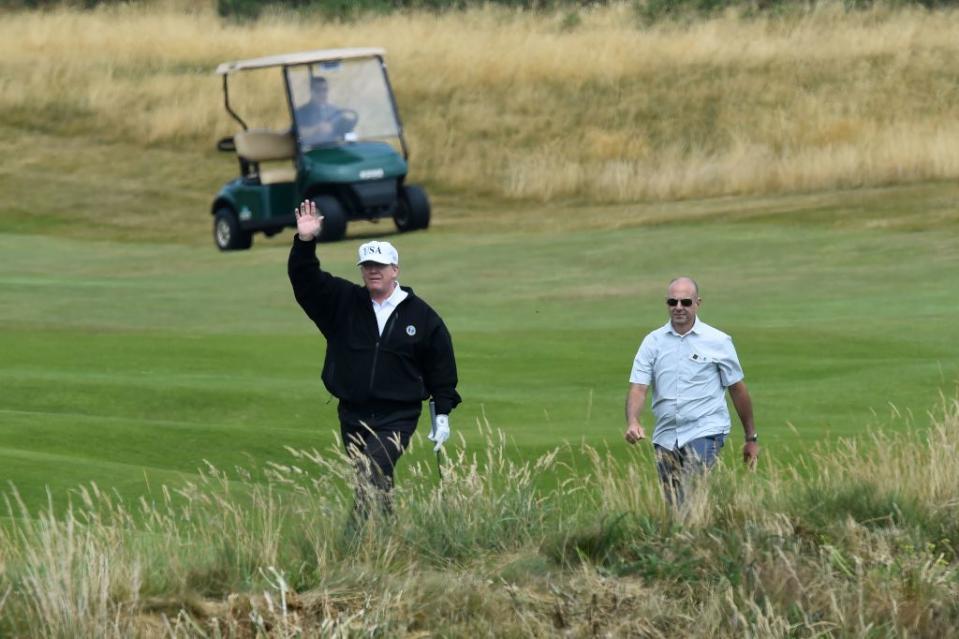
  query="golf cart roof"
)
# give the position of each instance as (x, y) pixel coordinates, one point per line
(303, 57)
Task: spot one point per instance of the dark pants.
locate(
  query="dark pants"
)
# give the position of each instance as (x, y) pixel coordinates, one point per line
(680, 467)
(375, 435)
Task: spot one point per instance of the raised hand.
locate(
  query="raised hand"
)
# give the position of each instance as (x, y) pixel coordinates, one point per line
(308, 222)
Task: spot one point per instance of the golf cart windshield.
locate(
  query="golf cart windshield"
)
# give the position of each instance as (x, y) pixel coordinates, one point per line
(341, 101)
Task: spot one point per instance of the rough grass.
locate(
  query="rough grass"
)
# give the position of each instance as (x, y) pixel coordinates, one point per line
(867, 545)
(533, 106)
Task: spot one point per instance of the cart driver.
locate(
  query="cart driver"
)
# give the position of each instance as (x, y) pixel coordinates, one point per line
(319, 121)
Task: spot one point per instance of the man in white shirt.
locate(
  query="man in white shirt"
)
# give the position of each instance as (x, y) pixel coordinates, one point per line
(690, 365)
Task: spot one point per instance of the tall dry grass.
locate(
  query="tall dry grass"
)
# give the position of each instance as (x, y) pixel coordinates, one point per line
(538, 106)
(860, 538)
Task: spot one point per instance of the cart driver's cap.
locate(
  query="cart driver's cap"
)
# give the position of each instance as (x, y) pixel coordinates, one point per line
(379, 252)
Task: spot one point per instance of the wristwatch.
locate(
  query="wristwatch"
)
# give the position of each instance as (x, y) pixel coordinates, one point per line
(754, 438)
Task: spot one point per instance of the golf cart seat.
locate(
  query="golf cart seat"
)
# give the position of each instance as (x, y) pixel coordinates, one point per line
(257, 146)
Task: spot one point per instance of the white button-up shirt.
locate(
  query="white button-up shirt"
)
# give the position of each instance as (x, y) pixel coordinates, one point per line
(384, 309)
(689, 375)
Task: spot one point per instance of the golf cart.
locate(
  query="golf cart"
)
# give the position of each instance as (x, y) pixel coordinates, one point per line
(344, 149)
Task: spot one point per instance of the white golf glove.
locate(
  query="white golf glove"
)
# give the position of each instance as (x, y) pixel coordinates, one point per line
(440, 431)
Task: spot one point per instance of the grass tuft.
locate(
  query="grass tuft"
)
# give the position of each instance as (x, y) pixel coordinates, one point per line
(827, 545)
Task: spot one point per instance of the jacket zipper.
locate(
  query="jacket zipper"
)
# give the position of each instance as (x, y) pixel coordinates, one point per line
(376, 350)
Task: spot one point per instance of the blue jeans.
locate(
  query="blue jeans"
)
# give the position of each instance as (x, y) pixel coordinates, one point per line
(678, 467)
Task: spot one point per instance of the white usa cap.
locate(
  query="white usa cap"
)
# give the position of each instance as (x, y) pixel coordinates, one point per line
(379, 252)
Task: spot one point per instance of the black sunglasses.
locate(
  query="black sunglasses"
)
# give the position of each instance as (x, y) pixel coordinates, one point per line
(672, 301)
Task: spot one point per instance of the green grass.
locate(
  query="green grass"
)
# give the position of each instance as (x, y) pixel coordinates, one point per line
(130, 360)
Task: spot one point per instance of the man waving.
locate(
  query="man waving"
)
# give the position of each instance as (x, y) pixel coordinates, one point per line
(386, 352)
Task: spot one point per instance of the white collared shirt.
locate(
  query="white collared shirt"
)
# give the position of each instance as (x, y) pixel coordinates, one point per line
(385, 309)
(689, 375)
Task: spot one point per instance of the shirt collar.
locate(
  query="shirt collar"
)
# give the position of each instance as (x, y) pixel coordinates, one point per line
(394, 299)
(695, 329)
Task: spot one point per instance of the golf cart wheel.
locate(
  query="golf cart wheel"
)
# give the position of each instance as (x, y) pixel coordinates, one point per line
(334, 218)
(227, 233)
(413, 211)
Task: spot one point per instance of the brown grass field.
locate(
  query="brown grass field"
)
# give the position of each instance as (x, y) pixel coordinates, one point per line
(525, 106)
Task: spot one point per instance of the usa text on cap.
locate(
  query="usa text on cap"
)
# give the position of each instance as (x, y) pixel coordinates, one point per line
(379, 252)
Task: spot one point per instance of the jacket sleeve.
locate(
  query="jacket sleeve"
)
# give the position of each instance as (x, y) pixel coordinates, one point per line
(439, 371)
(318, 293)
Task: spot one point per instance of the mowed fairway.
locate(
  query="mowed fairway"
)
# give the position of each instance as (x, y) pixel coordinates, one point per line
(129, 363)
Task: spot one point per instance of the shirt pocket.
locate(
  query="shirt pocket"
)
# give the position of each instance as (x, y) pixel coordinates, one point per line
(702, 368)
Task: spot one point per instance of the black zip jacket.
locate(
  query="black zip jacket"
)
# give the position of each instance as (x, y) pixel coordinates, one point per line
(412, 361)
